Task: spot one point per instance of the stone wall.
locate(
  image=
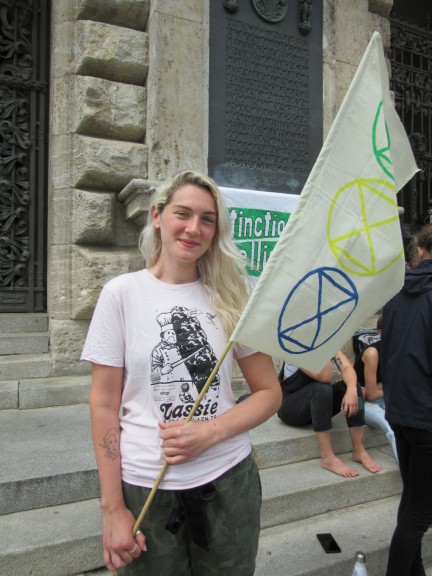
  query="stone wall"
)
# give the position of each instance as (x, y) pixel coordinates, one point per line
(99, 70)
(129, 107)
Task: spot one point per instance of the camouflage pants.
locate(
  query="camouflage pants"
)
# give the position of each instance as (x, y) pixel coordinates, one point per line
(232, 520)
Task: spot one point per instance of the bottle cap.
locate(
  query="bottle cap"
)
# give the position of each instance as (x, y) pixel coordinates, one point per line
(361, 557)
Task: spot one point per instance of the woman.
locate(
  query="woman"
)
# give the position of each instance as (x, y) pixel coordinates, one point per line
(406, 365)
(367, 366)
(310, 398)
(155, 337)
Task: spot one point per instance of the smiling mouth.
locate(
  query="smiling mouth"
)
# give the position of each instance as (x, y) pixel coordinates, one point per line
(188, 243)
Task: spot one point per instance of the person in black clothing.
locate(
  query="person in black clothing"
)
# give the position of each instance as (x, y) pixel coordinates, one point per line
(309, 397)
(406, 366)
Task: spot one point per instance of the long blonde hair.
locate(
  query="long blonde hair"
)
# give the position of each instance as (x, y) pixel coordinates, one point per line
(221, 269)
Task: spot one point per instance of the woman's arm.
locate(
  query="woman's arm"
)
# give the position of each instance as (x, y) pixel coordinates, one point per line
(350, 400)
(181, 442)
(118, 521)
(373, 389)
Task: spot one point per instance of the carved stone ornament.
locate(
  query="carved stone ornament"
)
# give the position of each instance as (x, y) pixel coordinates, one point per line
(231, 6)
(271, 10)
(305, 13)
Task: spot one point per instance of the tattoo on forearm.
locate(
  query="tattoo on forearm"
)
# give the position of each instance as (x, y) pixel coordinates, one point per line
(338, 362)
(111, 444)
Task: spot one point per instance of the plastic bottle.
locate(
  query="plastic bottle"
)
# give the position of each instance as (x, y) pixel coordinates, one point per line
(360, 565)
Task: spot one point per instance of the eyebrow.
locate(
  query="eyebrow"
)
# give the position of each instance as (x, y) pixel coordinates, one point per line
(214, 213)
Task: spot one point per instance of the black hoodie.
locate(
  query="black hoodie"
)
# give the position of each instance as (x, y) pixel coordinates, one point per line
(406, 351)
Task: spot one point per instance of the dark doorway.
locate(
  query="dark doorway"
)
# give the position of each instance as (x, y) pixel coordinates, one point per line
(411, 62)
(24, 76)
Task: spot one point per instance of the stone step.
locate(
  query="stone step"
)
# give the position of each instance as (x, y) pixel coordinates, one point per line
(293, 549)
(48, 460)
(17, 366)
(287, 549)
(24, 343)
(45, 392)
(303, 489)
(10, 323)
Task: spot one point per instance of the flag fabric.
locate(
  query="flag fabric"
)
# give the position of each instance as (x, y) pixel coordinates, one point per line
(340, 257)
(258, 218)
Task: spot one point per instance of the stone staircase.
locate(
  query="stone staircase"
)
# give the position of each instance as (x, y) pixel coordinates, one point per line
(49, 509)
(24, 344)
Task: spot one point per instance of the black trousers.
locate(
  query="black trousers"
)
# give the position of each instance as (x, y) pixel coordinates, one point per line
(317, 403)
(414, 448)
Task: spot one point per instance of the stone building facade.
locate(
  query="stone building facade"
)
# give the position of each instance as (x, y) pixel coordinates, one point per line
(129, 107)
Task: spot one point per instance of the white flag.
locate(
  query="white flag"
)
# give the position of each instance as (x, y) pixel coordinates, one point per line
(340, 257)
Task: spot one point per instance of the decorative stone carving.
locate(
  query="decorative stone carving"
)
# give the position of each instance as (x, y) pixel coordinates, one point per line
(271, 10)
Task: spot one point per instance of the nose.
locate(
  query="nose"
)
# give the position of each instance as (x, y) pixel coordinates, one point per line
(193, 225)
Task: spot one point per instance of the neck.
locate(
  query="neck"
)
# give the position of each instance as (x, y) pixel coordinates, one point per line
(174, 274)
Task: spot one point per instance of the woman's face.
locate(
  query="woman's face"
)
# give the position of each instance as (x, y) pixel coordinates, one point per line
(187, 224)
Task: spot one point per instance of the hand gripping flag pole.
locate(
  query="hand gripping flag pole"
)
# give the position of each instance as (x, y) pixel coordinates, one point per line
(188, 419)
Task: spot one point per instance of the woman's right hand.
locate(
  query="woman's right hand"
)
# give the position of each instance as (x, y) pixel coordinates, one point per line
(119, 546)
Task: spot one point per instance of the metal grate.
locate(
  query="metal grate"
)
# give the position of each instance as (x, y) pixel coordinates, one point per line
(24, 72)
(411, 62)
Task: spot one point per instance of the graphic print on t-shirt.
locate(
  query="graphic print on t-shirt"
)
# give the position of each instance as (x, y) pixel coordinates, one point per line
(181, 363)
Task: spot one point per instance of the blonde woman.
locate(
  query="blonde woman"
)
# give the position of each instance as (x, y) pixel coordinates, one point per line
(155, 336)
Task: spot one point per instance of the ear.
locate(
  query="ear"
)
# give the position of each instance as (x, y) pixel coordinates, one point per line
(420, 252)
(155, 217)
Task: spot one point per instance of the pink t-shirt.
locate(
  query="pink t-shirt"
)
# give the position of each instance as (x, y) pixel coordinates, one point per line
(167, 338)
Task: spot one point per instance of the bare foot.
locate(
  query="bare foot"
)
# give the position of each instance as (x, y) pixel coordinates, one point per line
(335, 465)
(363, 458)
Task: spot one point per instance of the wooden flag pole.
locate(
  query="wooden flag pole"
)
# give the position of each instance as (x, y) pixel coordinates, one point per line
(188, 419)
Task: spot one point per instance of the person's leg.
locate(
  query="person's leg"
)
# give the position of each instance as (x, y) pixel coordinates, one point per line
(356, 427)
(329, 460)
(295, 409)
(359, 453)
(322, 405)
(375, 417)
(167, 553)
(232, 523)
(415, 510)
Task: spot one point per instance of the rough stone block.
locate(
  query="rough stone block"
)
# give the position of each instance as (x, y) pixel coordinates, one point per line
(111, 52)
(106, 165)
(93, 217)
(67, 339)
(127, 13)
(109, 109)
(91, 269)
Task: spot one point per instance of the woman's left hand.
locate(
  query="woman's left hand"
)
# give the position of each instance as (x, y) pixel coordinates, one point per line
(183, 441)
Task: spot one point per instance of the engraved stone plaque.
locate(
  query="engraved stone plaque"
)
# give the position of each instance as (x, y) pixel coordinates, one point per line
(265, 125)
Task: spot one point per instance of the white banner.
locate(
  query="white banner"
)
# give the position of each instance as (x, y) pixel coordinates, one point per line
(257, 221)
